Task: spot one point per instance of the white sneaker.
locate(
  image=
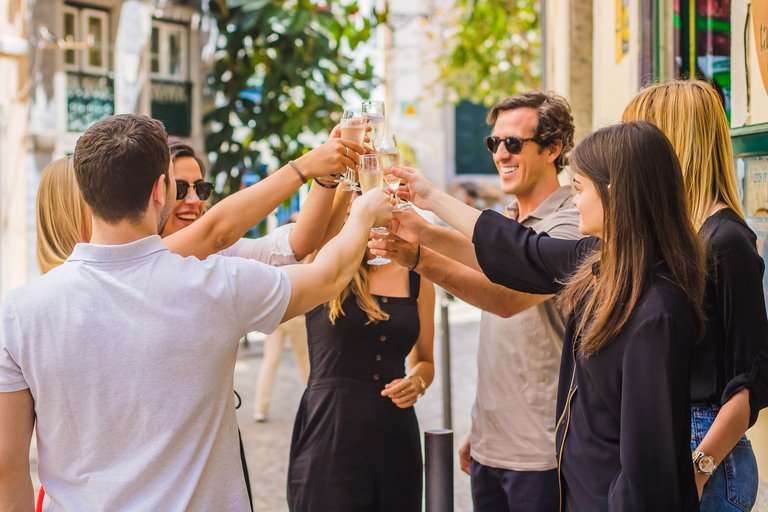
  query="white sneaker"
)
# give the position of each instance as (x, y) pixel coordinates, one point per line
(259, 417)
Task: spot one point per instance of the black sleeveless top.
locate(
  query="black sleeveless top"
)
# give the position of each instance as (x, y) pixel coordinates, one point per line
(353, 449)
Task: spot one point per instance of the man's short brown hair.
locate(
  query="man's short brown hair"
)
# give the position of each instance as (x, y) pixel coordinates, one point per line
(555, 119)
(117, 162)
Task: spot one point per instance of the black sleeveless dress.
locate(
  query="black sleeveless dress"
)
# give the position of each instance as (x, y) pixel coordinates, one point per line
(353, 449)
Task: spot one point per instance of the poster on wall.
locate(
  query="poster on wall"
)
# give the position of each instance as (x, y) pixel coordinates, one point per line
(622, 29)
(760, 28)
(756, 205)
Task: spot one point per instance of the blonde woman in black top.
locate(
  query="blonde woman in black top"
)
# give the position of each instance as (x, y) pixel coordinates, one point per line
(729, 379)
(632, 292)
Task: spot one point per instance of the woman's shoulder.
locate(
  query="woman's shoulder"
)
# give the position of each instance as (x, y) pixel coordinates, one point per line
(725, 229)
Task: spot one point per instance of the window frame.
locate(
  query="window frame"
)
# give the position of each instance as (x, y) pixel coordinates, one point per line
(165, 30)
(103, 48)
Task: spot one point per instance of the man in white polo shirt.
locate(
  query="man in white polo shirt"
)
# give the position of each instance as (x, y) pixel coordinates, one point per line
(510, 453)
(124, 355)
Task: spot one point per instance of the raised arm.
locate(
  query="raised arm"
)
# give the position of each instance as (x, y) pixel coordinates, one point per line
(425, 195)
(231, 218)
(336, 263)
(17, 419)
(459, 280)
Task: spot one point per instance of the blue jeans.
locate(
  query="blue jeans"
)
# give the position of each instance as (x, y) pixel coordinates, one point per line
(733, 485)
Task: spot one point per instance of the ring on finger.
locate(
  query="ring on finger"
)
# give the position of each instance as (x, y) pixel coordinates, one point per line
(347, 148)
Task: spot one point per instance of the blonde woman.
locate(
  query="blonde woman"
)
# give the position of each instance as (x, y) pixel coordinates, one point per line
(356, 441)
(729, 378)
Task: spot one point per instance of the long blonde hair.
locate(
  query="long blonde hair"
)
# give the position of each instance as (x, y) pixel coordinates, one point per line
(63, 218)
(360, 287)
(691, 115)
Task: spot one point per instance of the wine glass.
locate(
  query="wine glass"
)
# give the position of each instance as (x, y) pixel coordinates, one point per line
(353, 124)
(389, 156)
(376, 117)
(371, 177)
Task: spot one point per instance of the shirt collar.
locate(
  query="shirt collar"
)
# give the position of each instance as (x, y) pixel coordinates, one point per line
(94, 253)
(547, 207)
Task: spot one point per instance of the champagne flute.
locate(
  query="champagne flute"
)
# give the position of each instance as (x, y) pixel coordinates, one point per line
(389, 156)
(353, 124)
(376, 117)
(371, 177)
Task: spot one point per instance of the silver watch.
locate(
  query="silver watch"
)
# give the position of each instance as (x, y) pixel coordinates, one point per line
(704, 463)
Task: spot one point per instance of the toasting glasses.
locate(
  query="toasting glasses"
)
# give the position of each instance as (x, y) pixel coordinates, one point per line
(371, 177)
(353, 124)
(389, 156)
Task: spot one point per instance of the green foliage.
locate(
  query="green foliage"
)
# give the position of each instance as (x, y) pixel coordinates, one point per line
(493, 50)
(289, 52)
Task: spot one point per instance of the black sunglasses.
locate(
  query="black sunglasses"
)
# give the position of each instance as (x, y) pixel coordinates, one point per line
(203, 189)
(513, 144)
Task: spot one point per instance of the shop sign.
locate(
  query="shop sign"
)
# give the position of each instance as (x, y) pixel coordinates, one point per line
(760, 27)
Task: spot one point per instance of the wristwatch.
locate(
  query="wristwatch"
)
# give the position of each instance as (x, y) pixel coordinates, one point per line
(704, 463)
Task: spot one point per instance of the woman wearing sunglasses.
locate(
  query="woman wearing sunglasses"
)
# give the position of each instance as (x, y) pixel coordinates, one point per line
(63, 219)
(632, 292)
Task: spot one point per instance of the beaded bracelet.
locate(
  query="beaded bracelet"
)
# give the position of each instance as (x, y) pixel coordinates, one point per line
(418, 255)
(326, 185)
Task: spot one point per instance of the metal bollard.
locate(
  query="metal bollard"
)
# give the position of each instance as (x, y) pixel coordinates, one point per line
(438, 470)
(445, 333)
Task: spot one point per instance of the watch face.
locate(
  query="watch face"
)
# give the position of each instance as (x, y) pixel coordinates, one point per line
(706, 464)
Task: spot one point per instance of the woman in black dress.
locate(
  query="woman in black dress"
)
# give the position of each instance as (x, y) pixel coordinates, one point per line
(356, 441)
(632, 292)
(729, 379)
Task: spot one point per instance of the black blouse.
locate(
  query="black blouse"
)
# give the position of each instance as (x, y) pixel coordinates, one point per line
(623, 431)
(733, 354)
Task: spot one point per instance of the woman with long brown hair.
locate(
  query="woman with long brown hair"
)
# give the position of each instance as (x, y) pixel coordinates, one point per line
(632, 293)
(356, 441)
(729, 377)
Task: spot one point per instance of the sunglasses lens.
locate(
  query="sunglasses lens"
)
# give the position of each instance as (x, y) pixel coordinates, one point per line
(492, 143)
(203, 190)
(513, 145)
(181, 189)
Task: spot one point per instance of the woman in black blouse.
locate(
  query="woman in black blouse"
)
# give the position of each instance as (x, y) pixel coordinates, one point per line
(729, 380)
(632, 292)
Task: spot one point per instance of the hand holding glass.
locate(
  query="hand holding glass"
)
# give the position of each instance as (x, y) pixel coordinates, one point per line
(371, 177)
(353, 124)
(389, 156)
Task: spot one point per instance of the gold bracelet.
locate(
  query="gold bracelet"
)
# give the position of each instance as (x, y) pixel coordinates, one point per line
(422, 381)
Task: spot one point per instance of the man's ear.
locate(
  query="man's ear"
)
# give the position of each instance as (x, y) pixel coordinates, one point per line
(159, 190)
(554, 151)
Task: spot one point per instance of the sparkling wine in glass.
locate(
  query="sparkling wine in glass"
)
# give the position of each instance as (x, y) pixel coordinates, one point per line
(388, 155)
(371, 177)
(376, 117)
(353, 124)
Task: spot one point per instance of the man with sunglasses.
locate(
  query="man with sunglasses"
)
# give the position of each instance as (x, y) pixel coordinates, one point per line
(510, 453)
(123, 356)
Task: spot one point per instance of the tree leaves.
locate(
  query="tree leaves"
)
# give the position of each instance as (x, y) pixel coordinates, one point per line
(280, 74)
(493, 52)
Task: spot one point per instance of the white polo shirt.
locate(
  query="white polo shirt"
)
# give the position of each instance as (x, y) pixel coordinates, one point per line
(129, 353)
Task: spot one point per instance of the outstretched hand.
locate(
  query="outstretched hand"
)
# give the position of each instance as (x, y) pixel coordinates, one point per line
(417, 187)
(332, 158)
(376, 203)
(394, 248)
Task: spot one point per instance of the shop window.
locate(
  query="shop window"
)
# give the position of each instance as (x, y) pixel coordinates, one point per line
(472, 157)
(90, 89)
(171, 90)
